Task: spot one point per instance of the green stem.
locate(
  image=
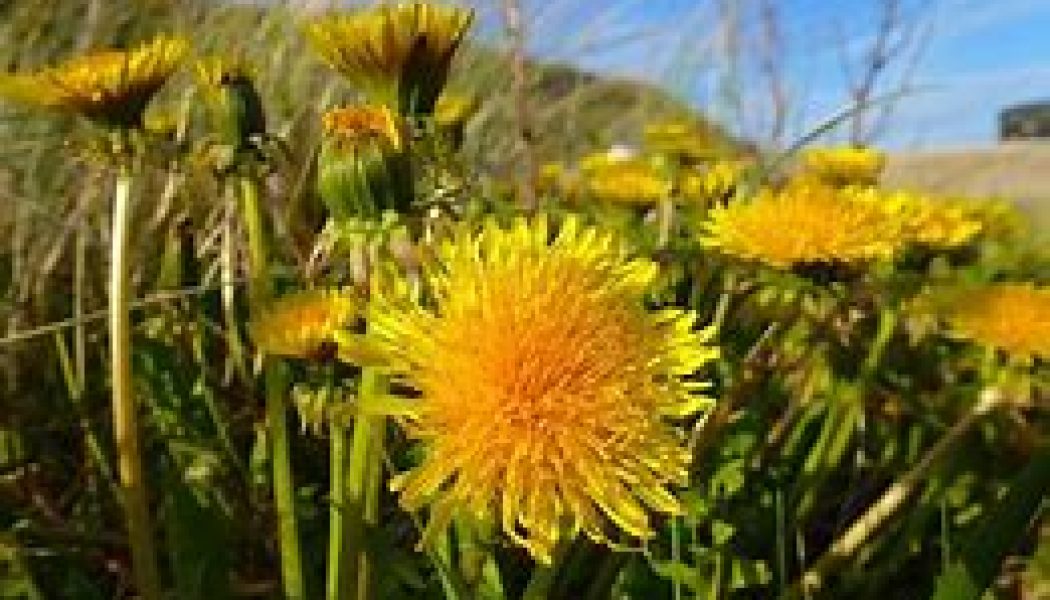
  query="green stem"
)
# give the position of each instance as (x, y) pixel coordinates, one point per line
(665, 222)
(261, 287)
(125, 423)
(275, 380)
(228, 292)
(337, 507)
(363, 482)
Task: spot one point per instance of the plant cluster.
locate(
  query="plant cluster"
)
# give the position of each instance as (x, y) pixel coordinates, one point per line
(695, 370)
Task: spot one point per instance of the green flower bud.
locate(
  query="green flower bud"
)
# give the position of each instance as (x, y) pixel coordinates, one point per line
(233, 102)
(364, 167)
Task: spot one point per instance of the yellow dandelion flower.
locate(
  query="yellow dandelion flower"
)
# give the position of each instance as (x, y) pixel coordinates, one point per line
(621, 178)
(111, 87)
(843, 165)
(717, 182)
(548, 393)
(1014, 317)
(926, 221)
(399, 55)
(688, 140)
(304, 324)
(804, 224)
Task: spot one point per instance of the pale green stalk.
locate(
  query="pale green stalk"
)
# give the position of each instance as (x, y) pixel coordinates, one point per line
(363, 483)
(125, 422)
(337, 502)
(275, 380)
(228, 292)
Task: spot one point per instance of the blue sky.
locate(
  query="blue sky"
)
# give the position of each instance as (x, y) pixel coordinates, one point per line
(980, 55)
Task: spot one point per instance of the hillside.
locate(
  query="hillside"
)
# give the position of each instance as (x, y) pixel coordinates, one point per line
(1018, 171)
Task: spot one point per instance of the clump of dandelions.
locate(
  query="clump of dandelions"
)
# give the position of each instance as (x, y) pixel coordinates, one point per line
(549, 395)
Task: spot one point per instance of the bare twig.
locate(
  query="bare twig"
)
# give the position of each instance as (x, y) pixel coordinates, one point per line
(771, 57)
(515, 28)
(898, 38)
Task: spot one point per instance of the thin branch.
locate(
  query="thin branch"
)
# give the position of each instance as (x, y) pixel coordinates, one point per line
(514, 26)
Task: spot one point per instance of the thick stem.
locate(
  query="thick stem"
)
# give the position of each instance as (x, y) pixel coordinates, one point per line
(260, 288)
(125, 422)
(228, 292)
(363, 484)
(275, 380)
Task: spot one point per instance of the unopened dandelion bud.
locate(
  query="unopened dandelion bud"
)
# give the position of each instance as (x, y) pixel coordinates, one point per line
(233, 102)
(364, 168)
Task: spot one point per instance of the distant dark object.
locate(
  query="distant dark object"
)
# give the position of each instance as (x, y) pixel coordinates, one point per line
(1025, 121)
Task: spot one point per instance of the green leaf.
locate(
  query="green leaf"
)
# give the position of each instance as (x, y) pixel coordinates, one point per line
(1005, 523)
(199, 551)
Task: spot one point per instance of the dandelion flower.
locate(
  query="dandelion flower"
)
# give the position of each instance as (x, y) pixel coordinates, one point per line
(929, 222)
(304, 324)
(548, 394)
(621, 178)
(1014, 317)
(111, 87)
(398, 55)
(843, 165)
(688, 140)
(717, 182)
(804, 225)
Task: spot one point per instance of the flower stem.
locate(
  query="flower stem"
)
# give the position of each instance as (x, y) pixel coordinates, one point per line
(337, 507)
(362, 489)
(275, 380)
(125, 423)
